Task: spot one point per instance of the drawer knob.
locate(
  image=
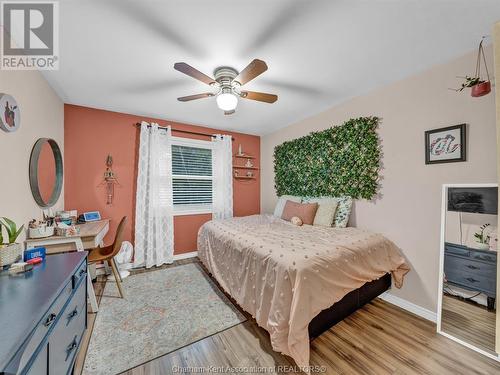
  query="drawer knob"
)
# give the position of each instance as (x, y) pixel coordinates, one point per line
(472, 267)
(50, 319)
(472, 280)
(72, 314)
(70, 348)
(77, 277)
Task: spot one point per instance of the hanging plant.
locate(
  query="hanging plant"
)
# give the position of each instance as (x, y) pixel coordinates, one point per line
(479, 87)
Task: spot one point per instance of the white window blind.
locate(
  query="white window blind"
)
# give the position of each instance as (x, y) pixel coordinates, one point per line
(191, 177)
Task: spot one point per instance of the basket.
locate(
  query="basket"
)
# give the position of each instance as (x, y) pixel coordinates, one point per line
(10, 254)
(40, 232)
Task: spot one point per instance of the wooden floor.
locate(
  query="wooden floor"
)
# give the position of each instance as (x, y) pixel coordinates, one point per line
(469, 322)
(380, 338)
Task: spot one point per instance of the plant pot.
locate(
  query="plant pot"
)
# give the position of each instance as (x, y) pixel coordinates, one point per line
(482, 246)
(10, 253)
(481, 89)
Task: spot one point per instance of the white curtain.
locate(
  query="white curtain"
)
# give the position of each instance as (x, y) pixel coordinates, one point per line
(154, 226)
(222, 171)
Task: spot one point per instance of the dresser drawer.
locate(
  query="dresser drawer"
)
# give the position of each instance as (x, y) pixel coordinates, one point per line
(456, 249)
(491, 258)
(457, 264)
(45, 325)
(40, 363)
(471, 280)
(67, 334)
(80, 273)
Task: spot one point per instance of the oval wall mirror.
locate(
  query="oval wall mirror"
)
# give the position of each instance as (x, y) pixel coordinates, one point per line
(46, 172)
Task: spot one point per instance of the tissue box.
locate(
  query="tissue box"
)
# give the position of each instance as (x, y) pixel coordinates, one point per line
(37, 252)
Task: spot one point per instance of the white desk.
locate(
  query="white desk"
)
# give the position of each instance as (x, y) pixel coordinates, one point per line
(91, 236)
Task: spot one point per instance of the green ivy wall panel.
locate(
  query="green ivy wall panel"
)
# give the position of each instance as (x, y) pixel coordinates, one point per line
(342, 160)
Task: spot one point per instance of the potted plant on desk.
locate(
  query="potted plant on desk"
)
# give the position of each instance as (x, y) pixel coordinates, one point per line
(11, 251)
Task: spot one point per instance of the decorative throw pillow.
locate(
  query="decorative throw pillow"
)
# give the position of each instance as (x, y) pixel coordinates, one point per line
(343, 211)
(344, 205)
(305, 211)
(278, 210)
(326, 211)
(296, 221)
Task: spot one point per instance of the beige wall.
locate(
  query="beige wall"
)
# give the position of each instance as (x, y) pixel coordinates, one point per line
(42, 116)
(408, 211)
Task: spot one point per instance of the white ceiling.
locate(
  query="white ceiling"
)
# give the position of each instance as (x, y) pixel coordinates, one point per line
(119, 54)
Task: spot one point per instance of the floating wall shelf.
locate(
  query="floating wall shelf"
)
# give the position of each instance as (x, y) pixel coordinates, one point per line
(244, 167)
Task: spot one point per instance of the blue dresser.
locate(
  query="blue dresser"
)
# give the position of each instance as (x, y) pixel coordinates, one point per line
(471, 269)
(43, 316)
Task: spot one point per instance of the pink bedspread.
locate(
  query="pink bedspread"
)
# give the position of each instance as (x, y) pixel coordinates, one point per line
(285, 275)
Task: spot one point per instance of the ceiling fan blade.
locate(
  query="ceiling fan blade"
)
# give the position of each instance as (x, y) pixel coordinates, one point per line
(192, 72)
(229, 112)
(254, 69)
(259, 96)
(194, 97)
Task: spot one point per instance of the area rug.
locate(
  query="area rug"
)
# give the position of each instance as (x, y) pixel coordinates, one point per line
(163, 310)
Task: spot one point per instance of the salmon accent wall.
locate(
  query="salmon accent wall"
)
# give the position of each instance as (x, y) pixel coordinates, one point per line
(91, 134)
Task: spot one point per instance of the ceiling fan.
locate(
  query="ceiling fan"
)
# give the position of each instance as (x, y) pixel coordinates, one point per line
(227, 85)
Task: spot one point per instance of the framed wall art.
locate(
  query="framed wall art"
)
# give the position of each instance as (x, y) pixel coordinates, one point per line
(10, 118)
(445, 145)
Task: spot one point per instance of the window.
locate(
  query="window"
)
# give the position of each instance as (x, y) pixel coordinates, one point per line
(192, 176)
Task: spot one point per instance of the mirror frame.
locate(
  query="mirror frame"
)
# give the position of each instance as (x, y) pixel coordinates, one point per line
(444, 204)
(33, 172)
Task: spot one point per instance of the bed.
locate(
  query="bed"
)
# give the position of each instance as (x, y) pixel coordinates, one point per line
(291, 278)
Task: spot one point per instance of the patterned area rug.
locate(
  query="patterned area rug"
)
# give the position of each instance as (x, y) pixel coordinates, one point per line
(163, 310)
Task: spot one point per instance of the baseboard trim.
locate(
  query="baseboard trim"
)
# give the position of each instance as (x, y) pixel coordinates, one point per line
(409, 306)
(101, 271)
(191, 254)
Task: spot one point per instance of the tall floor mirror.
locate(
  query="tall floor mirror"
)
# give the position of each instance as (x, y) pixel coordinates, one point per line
(468, 267)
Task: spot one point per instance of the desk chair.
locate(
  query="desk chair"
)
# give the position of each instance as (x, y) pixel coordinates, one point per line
(107, 253)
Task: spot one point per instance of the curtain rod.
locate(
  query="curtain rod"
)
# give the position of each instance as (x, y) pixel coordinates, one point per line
(138, 124)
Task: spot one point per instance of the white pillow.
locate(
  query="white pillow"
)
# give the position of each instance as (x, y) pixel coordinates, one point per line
(278, 210)
(325, 214)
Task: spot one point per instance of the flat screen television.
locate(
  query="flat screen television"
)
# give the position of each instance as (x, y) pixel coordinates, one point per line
(480, 200)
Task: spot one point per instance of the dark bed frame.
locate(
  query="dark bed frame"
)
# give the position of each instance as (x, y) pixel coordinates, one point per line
(347, 305)
(327, 318)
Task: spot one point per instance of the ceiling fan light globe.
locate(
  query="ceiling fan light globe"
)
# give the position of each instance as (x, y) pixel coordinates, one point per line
(227, 101)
